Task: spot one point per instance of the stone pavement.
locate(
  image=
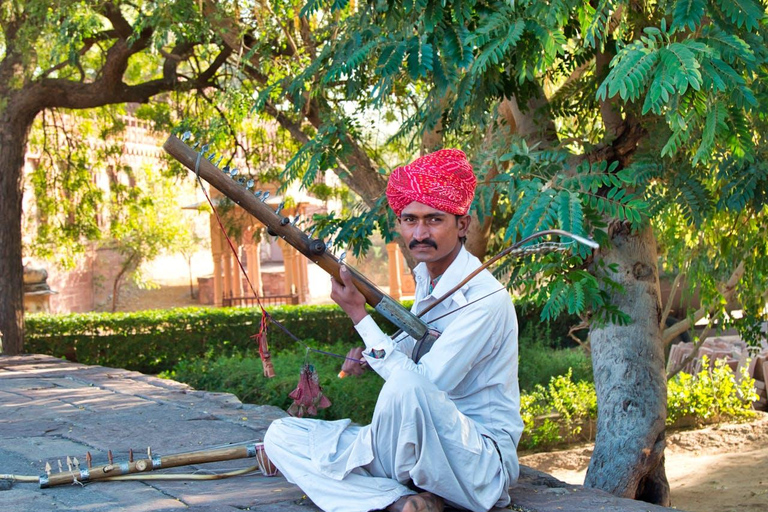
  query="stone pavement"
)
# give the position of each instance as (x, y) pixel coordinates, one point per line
(51, 409)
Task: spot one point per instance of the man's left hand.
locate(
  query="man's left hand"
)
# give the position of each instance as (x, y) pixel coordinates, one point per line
(346, 295)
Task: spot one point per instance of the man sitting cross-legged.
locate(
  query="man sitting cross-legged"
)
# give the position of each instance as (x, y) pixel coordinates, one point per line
(445, 428)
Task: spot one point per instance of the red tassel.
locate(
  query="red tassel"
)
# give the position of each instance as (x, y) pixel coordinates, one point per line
(308, 396)
(261, 338)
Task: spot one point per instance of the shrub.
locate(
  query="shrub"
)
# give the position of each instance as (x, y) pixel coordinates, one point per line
(154, 341)
(713, 394)
(557, 413)
(539, 364)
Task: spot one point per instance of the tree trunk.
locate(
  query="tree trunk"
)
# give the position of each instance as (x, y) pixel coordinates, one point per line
(628, 363)
(13, 142)
(126, 268)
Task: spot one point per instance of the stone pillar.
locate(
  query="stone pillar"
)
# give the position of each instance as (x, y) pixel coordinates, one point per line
(395, 270)
(289, 256)
(254, 268)
(218, 288)
(237, 275)
(227, 260)
(303, 280)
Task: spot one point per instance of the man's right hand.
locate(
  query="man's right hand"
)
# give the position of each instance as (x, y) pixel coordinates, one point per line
(355, 364)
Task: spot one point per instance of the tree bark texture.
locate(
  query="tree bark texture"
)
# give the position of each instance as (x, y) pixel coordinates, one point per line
(628, 363)
(13, 139)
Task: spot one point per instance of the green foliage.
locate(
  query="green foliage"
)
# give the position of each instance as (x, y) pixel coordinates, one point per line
(692, 79)
(545, 196)
(102, 53)
(132, 210)
(153, 341)
(692, 72)
(558, 412)
(355, 398)
(713, 394)
(540, 363)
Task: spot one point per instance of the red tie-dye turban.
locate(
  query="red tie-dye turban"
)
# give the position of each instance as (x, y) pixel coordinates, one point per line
(443, 180)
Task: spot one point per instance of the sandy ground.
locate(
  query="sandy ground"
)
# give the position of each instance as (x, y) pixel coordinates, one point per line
(721, 468)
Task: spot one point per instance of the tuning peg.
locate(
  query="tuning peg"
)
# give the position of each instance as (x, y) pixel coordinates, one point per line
(186, 136)
(130, 454)
(149, 452)
(60, 468)
(211, 155)
(48, 468)
(219, 160)
(204, 149)
(88, 460)
(109, 456)
(233, 171)
(249, 184)
(76, 463)
(341, 258)
(295, 220)
(225, 170)
(258, 193)
(264, 197)
(279, 207)
(312, 231)
(69, 463)
(197, 143)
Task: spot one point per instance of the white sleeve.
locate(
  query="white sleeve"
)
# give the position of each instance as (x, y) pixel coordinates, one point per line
(453, 354)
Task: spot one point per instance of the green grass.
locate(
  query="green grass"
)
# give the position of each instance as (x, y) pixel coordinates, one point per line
(242, 375)
(355, 398)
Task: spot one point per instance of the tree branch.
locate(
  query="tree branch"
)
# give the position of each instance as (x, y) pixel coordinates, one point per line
(726, 291)
(358, 169)
(112, 12)
(670, 299)
(694, 353)
(534, 121)
(610, 111)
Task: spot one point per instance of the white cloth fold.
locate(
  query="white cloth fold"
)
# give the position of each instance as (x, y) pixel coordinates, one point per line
(417, 439)
(449, 424)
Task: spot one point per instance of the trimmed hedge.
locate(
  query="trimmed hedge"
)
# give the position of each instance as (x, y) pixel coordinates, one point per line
(153, 341)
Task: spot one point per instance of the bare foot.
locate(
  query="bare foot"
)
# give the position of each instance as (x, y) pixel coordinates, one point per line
(423, 502)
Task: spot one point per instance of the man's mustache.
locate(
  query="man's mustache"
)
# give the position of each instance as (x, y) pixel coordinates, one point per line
(427, 241)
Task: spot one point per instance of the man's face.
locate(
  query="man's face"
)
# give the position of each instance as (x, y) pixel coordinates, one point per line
(432, 235)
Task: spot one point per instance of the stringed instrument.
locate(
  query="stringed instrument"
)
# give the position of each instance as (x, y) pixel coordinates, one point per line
(197, 161)
(316, 250)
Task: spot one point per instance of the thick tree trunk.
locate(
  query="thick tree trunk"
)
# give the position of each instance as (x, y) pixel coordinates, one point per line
(13, 139)
(628, 363)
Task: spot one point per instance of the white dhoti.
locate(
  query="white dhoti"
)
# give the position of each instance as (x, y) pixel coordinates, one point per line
(417, 439)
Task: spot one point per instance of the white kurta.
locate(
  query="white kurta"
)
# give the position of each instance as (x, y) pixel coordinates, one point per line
(449, 424)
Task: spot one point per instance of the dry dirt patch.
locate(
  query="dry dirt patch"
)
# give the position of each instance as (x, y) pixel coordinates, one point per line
(722, 468)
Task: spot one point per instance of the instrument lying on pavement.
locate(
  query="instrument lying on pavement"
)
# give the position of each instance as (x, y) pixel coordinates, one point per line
(138, 469)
